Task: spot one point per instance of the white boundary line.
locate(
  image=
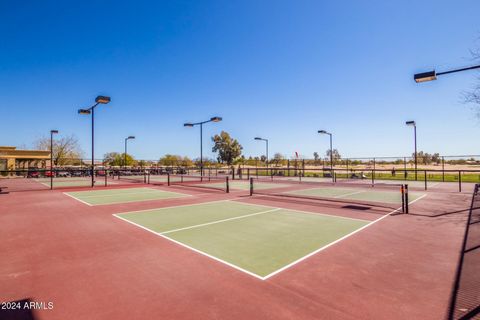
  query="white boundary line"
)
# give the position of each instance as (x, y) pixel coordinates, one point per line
(222, 220)
(193, 249)
(306, 212)
(349, 194)
(244, 270)
(128, 193)
(336, 241)
(169, 207)
(88, 204)
(129, 201)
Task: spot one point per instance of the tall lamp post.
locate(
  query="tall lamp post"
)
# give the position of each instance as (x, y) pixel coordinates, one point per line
(91, 110)
(266, 143)
(52, 132)
(432, 75)
(190, 124)
(331, 152)
(125, 154)
(414, 125)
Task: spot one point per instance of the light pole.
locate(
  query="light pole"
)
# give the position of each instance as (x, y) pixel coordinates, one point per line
(266, 142)
(189, 124)
(414, 125)
(331, 152)
(125, 154)
(432, 75)
(52, 132)
(91, 110)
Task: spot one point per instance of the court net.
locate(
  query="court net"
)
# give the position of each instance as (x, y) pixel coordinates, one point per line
(346, 195)
(202, 182)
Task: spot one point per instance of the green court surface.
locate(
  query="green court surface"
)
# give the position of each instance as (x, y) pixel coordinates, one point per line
(245, 185)
(112, 196)
(73, 182)
(382, 196)
(258, 240)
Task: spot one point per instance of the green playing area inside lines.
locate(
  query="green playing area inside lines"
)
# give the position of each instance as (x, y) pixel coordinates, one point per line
(258, 239)
(112, 196)
(245, 185)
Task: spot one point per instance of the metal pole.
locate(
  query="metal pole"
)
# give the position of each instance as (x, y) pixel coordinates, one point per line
(201, 149)
(125, 155)
(443, 169)
(415, 133)
(267, 152)
(51, 160)
(93, 147)
(331, 159)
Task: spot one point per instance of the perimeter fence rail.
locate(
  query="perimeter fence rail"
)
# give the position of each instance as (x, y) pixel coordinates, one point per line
(45, 179)
(465, 299)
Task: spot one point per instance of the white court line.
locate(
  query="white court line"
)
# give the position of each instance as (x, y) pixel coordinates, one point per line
(193, 249)
(127, 193)
(223, 220)
(169, 207)
(181, 195)
(307, 212)
(350, 194)
(336, 241)
(88, 204)
(249, 272)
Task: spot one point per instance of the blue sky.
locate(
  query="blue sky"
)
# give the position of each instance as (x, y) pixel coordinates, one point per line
(278, 69)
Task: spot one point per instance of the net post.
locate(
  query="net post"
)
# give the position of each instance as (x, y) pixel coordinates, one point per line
(248, 173)
(148, 177)
(168, 179)
(373, 177)
(406, 198)
(425, 172)
(251, 186)
(227, 186)
(459, 181)
(106, 175)
(402, 189)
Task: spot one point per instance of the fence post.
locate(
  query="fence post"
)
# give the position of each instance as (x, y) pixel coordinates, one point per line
(425, 172)
(459, 181)
(443, 169)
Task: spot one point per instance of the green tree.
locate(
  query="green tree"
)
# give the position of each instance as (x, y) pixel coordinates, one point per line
(335, 153)
(278, 159)
(228, 149)
(170, 160)
(118, 159)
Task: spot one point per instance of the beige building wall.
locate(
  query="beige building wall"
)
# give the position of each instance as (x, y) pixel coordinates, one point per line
(11, 158)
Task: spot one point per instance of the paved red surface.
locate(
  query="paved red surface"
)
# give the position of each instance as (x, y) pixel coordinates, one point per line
(94, 266)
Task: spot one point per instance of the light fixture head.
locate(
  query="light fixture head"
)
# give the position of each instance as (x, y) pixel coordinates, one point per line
(102, 99)
(53, 131)
(131, 137)
(410, 123)
(84, 111)
(258, 138)
(188, 124)
(425, 76)
(216, 119)
(322, 132)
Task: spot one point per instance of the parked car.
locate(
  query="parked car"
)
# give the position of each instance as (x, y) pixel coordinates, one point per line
(33, 173)
(49, 173)
(63, 174)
